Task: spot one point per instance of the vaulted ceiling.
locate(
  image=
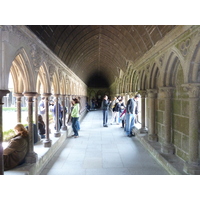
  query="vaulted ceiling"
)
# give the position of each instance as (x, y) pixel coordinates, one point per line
(96, 53)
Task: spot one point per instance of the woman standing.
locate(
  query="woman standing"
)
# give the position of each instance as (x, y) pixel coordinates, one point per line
(17, 149)
(75, 117)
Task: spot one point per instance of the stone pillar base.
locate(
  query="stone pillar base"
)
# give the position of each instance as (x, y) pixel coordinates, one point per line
(143, 130)
(167, 148)
(191, 168)
(57, 134)
(153, 137)
(31, 157)
(47, 143)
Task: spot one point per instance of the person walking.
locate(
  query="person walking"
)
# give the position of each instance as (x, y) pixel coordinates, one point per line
(75, 117)
(116, 110)
(130, 115)
(105, 107)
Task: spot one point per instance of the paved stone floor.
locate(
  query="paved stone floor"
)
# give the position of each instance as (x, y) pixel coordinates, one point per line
(102, 151)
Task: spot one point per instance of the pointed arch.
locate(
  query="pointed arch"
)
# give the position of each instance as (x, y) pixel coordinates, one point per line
(142, 81)
(169, 75)
(21, 72)
(194, 68)
(43, 83)
(154, 76)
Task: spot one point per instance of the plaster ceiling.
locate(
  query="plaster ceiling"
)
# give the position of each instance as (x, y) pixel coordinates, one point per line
(96, 53)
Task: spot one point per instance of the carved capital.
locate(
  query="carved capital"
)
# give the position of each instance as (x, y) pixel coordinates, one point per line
(143, 93)
(193, 89)
(167, 91)
(3, 93)
(152, 93)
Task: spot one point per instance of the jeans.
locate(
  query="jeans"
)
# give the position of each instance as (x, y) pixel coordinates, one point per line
(105, 117)
(78, 125)
(74, 125)
(130, 118)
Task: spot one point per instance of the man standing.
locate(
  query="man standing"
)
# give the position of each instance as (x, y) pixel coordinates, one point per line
(105, 106)
(130, 115)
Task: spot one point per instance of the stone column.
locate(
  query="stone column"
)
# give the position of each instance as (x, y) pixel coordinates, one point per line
(31, 156)
(152, 93)
(126, 98)
(143, 117)
(57, 132)
(192, 166)
(18, 104)
(167, 146)
(36, 110)
(2, 94)
(64, 127)
(47, 142)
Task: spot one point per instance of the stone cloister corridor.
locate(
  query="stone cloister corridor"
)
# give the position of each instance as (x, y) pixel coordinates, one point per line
(56, 51)
(60, 62)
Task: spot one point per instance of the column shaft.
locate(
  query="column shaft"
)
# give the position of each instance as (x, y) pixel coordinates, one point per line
(31, 156)
(143, 117)
(2, 93)
(47, 141)
(64, 127)
(151, 129)
(192, 166)
(167, 146)
(57, 133)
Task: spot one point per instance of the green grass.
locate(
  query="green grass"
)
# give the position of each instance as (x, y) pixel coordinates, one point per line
(14, 109)
(7, 135)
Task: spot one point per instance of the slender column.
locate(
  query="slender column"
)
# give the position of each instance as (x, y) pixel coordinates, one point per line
(2, 94)
(126, 98)
(36, 110)
(47, 141)
(167, 146)
(64, 127)
(31, 157)
(192, 166)
(57, 133)
(152, 93)
(18, 97)
(143, 128)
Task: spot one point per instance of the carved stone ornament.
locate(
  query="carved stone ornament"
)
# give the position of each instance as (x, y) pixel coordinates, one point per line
(193, 89)
(152, 93)
(161, 60)
(167, 91)
(36, 56)
(184, 46)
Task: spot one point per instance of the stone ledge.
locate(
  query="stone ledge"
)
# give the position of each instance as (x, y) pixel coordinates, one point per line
(171, 163)
(44, 156)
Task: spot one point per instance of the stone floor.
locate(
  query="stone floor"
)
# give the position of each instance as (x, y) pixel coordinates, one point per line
(102, 151)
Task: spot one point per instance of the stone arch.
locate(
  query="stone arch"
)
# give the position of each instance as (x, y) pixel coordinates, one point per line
(132, 79)
(136, 82)
(63, 90)
(154, 76)
(23, 76)
(169, 75)
(142, 81)
(43, 83)
(68, 88)
(194, 67)
(120, 89)
(56, 83)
